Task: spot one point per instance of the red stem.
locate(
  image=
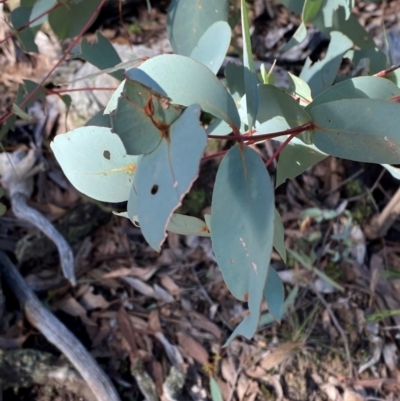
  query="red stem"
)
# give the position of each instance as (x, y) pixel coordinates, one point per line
(58, 91)
(279, 150)
(248, 140)
(256, 138)
(21, 28)
(387, 71)
(62, 58)
(221, 153)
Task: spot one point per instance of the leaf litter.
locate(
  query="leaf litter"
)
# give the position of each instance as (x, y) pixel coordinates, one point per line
(150, 317)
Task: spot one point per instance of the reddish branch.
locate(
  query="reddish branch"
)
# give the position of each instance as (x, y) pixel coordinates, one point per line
(387, 71)
(62, 58)
(21, 28)
(250, 139)
(58, 91)
(279, 150)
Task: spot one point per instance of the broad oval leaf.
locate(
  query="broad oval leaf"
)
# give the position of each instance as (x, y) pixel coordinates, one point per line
(310, 10)
(179, 224)
(113, 102)
(364, 130)
(96, 163)
(321, 74)
(250, 77)
(300, 88)
(40, 7)
(165, 176)
(296, 158)
(213, 45)
(278, 111)
(187, 225)
(297, 38)
(234, 74)
(101, 54)
(186, 81)
(142, 118)
(274, 294)
(99, 120)
(242, 229)
(69, 19)
(357, 88)
(188, 20)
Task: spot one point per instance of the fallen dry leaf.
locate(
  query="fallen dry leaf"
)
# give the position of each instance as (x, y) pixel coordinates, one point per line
(225, 388)
(170, 285)
(256, 372)
(154, 321)
(228, 371)
(350, 395)
(192, 348)
(201, 322)
(127, 332)
(144, 273)
(92, 301)
(242, 385)
(278, 355)
(71, 306)
(157, 375)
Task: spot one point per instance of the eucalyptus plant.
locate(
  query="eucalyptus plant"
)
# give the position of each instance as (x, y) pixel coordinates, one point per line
(147, 146)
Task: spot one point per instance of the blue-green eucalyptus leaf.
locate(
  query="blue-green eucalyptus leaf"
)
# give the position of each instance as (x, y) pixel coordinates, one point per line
(95, 162)
(297, 38)
(99, 120)
(242, 229)
(186, 82)
(101, 53)
(164, 176)
(40, 7)
(187, 225)
(69, 19)
(296, 158)
(300, 88)
(218, 127)
(250, 77)
(274, 293)
(321, 75)
(143, 118)
(330, 8)
(267, 318)
(188, 20)
(234, 74)
(357, 88)
(213, 45)
(364, 130)
(19, 17)
(216, 394)
(113, 102)
(278, 111)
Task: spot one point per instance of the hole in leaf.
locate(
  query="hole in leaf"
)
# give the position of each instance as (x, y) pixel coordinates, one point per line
(107, 155)
(154, 189)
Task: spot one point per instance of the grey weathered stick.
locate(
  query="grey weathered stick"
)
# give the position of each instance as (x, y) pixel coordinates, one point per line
(16, 172)
(22, 211)
(57, 334)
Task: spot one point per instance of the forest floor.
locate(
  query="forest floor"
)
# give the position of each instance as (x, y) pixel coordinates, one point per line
(334, 343)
